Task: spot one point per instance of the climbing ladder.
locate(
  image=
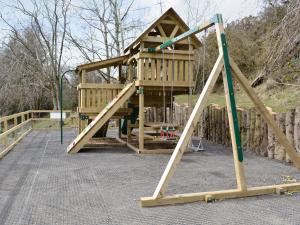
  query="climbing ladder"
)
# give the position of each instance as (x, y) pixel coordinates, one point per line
(102, 118)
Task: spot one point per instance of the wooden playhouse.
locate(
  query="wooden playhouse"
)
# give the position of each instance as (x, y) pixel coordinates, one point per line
(145, 79)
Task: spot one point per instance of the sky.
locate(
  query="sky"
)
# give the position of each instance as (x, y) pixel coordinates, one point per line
(230, 9)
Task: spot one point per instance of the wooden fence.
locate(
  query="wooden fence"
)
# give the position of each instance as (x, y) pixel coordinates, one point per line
(14, 127)
(255, 133)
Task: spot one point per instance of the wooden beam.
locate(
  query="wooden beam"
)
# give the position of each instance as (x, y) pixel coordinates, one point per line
(188, 130)
(165, 56)
(141, 118)
(168, 22)
(100, 86)
(218, 195)
(13, 116)
(295, 158)
(163, 39)
(161, 30)
(5, 130)
(176, 28)
(238, 165)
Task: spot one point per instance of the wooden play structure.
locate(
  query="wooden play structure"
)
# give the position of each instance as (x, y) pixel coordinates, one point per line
(146, 79)
(159, 66)
(225, 65)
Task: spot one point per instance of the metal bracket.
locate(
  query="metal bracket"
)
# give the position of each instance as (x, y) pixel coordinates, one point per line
(83, 117)
(217, 19)
(140, 91)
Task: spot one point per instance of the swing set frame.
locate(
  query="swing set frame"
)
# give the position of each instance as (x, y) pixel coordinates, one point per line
(226, 66)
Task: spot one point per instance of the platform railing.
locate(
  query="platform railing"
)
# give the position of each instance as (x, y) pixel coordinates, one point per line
(15, 127)
(94, 97)
(165, 70)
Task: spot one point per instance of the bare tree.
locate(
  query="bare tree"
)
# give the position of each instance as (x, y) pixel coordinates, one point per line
(107, 32)
(48, 20)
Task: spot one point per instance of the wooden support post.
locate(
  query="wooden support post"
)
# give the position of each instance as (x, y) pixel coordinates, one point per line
(279, 152)
(297, 129)
(289, 130)
(120, 73)
(238, 165)
(190, 80)
(141, 118)
(15, 121)
(224, 133)
(271, 141)
(231, 110)
(128, 130)
(130, 74)
(83, 123)
(264, 142)
(5, 128)
(248, 130)
(120, 129)
(257, 134)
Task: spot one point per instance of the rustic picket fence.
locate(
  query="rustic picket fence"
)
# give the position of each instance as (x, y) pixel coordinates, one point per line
(255, 134)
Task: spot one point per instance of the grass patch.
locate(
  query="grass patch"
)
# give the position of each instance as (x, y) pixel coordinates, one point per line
(279, 99)
(51, 124)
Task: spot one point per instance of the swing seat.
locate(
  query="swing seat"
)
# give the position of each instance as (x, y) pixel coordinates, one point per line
(167, 132)
(196, 148)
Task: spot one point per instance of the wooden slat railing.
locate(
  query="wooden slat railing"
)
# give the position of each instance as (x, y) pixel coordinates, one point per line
(94, 97)
(158, 70)
(14, 127)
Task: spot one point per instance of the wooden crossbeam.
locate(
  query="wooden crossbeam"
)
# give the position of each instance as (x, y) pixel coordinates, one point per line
(176, 28)
(161, 30)
(219, 195)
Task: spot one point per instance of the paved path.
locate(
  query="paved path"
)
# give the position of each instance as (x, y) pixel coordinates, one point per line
(41, 184)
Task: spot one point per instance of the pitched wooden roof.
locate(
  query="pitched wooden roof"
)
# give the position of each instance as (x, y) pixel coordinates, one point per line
(169, 16)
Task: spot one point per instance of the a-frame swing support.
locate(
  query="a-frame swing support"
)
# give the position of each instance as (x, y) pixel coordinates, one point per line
(226, 66)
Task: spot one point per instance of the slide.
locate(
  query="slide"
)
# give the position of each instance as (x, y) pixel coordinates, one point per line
(102, 118)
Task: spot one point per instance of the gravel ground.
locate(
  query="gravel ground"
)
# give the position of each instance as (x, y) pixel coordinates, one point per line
(41, 184)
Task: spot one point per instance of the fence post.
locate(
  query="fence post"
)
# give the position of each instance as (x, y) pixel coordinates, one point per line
(5, 128)
(297, 129)
(264, 142)
(257, 134)
(279, 152)
(289, 127)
